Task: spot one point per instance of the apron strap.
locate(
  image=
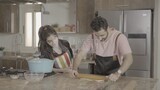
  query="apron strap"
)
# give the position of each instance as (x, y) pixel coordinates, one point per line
(116, 42)
(94, 49)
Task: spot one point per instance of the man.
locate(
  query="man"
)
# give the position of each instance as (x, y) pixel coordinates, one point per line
(113, 55)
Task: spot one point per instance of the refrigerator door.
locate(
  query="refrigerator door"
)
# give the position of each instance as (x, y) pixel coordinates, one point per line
(114, 18)
(137, 21)
(137, 27)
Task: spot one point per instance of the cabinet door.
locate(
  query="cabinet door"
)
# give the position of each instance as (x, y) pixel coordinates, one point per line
(14, 19)
(109, 4)
(9, 15)
(85, 14)
(5, 15)
(123, 4)
(141, 4)
(116, 4)
(9, 63)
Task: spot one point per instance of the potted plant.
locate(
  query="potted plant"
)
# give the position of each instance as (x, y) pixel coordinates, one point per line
(1, 51)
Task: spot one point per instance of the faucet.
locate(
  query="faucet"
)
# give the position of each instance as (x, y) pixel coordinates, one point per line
(18, 42)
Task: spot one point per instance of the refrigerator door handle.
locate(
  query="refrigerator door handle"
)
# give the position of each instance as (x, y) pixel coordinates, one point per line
(125, 24)
(121, 23)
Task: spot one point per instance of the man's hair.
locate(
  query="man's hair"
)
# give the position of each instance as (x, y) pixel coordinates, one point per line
(99, 22)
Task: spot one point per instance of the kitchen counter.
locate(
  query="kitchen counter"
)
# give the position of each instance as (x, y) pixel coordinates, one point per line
(63, 82)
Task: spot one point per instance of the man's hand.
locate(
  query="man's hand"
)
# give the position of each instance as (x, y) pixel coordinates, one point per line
(73, 73)
(114, 76)
(67, 70)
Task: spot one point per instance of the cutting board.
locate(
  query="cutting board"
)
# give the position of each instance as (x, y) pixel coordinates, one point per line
(92, 76)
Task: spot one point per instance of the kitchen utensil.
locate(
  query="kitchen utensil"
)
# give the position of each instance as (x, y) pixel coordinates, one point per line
(42, 65)
(92, 76)
(33, 77)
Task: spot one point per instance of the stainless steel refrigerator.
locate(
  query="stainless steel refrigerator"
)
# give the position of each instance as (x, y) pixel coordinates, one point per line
(137, 26)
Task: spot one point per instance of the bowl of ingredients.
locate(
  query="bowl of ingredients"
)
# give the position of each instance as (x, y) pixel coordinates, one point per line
(33, 76)
(14, 76)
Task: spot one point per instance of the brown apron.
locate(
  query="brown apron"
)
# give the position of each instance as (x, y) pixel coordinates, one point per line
(106, 65)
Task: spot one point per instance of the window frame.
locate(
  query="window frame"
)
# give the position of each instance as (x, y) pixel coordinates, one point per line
(23, 9)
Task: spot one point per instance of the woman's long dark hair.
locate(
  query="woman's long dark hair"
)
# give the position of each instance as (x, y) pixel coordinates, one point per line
(44, 33)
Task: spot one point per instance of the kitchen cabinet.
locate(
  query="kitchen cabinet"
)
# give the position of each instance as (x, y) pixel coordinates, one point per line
(85, 14)
(141, 4)
(123, 4)
(9, 22)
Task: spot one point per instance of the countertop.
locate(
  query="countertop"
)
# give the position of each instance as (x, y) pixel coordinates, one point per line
(64, 82)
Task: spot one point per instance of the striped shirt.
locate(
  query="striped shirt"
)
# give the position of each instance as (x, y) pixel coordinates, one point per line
(63, 61)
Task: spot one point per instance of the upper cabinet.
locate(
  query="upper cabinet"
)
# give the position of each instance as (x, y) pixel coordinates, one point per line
(85, 14)
(123, 4)
(9, 15)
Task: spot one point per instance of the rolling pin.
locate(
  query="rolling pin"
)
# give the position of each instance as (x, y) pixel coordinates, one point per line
(92, 76)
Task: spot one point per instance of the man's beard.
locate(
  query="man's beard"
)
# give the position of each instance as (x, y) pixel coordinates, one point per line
(103, 39)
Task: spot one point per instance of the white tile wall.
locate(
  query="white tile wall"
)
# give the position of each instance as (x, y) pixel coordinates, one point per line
(74, 39)
(9, 40)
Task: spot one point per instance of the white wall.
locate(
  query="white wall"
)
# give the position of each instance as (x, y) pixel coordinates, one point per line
(74, 39)
(8, 41)
(11, 42)
(60, 13)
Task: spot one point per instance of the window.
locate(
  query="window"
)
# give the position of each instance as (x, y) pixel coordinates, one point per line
(31, 22)
(32, 25)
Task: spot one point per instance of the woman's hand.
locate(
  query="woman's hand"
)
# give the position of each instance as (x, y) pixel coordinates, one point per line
(114, 76)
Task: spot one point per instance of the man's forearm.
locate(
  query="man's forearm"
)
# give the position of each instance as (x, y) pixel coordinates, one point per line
(126, 63)
(59, 70)
(77, 60)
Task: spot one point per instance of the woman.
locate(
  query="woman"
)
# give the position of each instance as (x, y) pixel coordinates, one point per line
(52, 47)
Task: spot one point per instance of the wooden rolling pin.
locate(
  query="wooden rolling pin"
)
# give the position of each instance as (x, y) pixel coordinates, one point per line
(92, 76)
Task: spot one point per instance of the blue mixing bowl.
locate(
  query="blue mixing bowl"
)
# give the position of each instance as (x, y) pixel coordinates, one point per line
(40, 65)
